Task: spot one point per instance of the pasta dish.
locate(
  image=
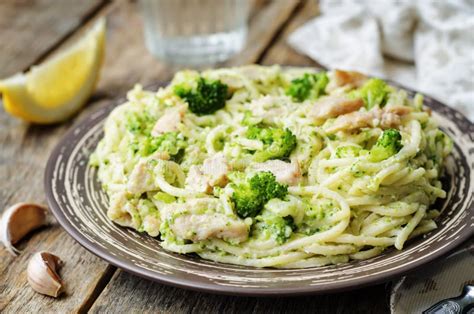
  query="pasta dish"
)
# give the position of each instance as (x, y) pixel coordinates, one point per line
(273, 167)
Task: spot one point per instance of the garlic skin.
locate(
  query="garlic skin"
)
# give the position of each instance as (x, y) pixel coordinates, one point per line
(17, 221)
(42, 274)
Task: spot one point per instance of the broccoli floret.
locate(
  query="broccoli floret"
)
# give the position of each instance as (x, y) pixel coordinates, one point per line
(280, 228)
(248, 203)
(208, 97)
(171, 142)
(250, 196)
(388, 144)
(278, 143)
(265, 182)
(310, 86)
(374, 93)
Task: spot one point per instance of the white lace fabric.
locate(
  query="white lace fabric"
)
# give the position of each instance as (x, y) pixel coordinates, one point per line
(427, 45)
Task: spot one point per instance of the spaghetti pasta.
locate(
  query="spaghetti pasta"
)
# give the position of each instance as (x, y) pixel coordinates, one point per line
(344, 174)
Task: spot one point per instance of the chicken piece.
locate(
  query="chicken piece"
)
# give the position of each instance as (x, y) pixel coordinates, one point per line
(141, 178)
(350, 79)
(398, 110)
(197, 181)
(352, 121)
(213, 172)
(216, 169)
(284, 172)
(169, 121)
(207, 226)
(122, 211)
(334, 106)
(389, 117)
(151, 224)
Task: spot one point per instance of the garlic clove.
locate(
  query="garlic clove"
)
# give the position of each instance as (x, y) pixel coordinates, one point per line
(17, 221)
(42, 274)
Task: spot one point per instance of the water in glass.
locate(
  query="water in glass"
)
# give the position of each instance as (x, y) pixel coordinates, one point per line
(195, 32)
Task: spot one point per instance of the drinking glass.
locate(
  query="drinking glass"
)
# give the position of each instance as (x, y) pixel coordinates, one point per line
(195, 32)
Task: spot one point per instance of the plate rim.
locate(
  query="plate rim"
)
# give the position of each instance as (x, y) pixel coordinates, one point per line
(191, 284)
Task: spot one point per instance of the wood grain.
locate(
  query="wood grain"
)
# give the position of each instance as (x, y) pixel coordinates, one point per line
(263, 29)
(280, 52)
(34, 29)
(30, 29)
(141, 296)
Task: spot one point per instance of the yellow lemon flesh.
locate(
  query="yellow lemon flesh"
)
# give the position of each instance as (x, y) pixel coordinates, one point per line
(55, 90)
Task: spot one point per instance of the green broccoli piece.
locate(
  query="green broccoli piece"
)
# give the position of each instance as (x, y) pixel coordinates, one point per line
(248, 203)
(374, 93)
(139, 123)
(208, 97)
(250, 196)
(171, 142)
(278, 143)
(310, 86)
(265, 182)
(388, 144)
(280, 228)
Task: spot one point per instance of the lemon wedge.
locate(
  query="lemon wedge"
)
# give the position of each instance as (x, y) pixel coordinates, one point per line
(58, 88)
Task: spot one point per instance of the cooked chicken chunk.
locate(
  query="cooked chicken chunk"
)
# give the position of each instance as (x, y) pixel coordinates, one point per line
(197, 181)
(385, 118)
(207, 226)
(349, 79)
(122, 211)
(169, 121)
(216, 169)
(151, 224)
(212, 173)
(141, 178)
(286, 173)
(334, 106)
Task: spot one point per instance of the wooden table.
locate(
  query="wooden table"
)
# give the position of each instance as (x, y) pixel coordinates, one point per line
(31, 31)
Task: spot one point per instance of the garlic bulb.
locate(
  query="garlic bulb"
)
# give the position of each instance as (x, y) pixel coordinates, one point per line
(43, 276)
(17, 221)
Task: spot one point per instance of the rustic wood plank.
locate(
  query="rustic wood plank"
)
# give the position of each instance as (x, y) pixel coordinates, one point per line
(130, 294)
(280, 52)
(30, 28)
(22, 180)
(263, 28)
(33, 31)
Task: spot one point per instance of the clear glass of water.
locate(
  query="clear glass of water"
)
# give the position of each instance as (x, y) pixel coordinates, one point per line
(195, 32)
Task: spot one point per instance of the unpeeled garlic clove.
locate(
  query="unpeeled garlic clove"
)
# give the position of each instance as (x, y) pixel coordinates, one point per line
(43, 276)
(17, 221)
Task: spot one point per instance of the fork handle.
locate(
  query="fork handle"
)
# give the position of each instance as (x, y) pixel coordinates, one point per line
(458, 305)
